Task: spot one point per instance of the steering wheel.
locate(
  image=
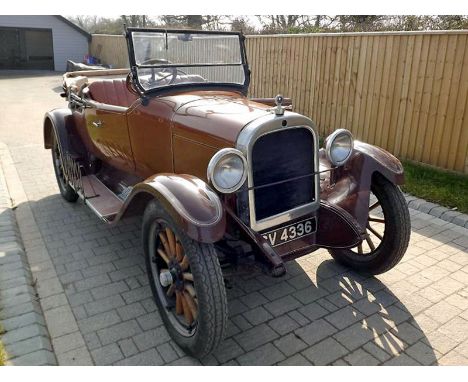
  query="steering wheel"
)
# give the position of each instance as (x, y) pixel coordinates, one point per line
(173, 71)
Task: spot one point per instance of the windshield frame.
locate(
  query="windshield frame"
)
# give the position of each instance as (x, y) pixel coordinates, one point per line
(243, 88)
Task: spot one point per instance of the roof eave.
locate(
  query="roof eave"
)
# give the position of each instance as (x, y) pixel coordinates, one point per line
(74, 26)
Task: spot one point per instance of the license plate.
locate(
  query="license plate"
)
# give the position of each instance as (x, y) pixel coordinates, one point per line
(290, 232)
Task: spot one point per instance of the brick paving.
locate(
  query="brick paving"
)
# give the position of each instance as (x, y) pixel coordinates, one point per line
(441, 212)
(320, 313)
(23, 331)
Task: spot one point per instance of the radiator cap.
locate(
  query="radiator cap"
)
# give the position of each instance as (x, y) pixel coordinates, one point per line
(279, 109)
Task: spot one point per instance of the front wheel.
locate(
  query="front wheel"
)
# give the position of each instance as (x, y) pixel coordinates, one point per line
(187, 283)
(388, 231)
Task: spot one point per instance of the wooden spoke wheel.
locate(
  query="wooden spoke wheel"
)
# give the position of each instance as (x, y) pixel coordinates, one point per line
(375, 229)
(172, 270)
(67, 192)
(388, 231)
(187, 283)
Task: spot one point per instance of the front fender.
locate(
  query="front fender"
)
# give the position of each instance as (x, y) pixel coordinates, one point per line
(189, 200)
(349, 186)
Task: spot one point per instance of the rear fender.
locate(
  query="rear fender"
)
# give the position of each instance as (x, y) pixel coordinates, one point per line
(191, 203)
(348, 186)
(56, 121)
(61, 122)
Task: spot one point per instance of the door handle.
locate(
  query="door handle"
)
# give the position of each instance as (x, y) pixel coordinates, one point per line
(97, 123)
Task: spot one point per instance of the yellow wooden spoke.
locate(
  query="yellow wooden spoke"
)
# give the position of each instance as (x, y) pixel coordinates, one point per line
(190, 289)
(163, 255)
(187, 313)
(179, 307)
(191, 305)
(165, 244)
(179, 252)
(171, 241)
(188, 276)
(185, 263)
(170, 290)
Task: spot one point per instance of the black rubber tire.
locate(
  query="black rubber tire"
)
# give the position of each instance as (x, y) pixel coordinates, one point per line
(208, 283)
(67, 192)
(396, 236)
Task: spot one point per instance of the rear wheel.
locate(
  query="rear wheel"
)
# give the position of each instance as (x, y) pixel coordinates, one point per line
(67, 192)
(388, 231)
(187, 283)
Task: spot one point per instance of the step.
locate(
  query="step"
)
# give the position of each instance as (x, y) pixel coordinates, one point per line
(101, 199)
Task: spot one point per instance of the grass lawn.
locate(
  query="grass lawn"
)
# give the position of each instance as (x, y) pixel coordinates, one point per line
(2, 349)
(2, 355)
(446, 188)
(438, 186)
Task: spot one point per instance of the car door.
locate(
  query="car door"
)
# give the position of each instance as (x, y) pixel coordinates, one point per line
(107, 128)
(150, 133)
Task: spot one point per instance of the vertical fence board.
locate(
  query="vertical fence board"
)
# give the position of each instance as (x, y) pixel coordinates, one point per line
(426, 98)
(320, 77)
(402, 104)
(434, 96)
(310, 65)
(368, 106)
(446, 84)
(303, 49)
(413, 78)
(451, 135)
(373, 127)
(335, 83)
(365, 88)
(353, 82)
(327, 106)
(460, 146)
(421, 81)
(345, 82)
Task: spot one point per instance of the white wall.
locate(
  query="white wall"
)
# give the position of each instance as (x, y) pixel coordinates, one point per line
(69, 44)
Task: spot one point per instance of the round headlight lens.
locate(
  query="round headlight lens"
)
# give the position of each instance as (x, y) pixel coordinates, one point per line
(227, 170)
(339, 147)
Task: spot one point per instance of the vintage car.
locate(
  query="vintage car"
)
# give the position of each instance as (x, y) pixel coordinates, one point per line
(219, 178)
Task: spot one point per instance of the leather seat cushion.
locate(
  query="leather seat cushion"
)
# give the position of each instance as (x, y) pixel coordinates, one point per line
(112, 92)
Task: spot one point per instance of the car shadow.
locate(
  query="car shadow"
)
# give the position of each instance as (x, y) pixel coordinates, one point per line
(319, 313)
(339, 316)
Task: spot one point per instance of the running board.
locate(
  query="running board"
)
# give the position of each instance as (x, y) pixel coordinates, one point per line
(102, 201)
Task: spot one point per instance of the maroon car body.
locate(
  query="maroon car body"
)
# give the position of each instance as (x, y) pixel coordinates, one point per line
(177, 140)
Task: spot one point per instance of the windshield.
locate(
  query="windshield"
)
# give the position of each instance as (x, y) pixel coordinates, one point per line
(165, 59)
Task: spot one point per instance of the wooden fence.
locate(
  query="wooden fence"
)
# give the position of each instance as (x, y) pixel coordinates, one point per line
(110, 49)
(404, 91)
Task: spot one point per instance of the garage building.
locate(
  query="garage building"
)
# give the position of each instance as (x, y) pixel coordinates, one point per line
(40, 42)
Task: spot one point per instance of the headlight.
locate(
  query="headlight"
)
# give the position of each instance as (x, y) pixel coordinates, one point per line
(339, 146)
(227, 170)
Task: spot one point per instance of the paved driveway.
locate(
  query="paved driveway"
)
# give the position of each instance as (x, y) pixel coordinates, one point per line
(101, 311)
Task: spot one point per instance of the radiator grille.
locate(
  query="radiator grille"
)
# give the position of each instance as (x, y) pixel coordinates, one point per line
(282, 156)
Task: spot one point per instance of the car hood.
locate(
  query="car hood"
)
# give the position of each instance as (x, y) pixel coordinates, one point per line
(214, 118)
